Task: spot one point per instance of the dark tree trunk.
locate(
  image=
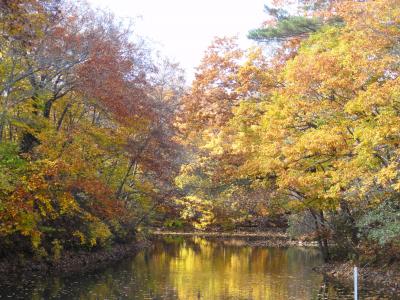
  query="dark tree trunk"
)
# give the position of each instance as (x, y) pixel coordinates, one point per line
(321, 234)
(28, 140)
(60, 121)
(350, 221)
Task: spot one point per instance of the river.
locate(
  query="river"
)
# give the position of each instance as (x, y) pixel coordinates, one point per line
(195, 268)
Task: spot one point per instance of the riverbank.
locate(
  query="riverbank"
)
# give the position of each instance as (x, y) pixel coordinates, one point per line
(385, 279)
(70, 261)
(255, 239)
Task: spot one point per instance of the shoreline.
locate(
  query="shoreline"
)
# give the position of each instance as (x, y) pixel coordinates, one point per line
(385, 279)
(253, 239)
(70, 263)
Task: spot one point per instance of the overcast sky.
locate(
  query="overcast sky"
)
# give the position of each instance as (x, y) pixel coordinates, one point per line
(182, 29)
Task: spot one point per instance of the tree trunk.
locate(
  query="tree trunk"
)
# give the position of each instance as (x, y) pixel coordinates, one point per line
(324, 234)
(128, 171)
(321, 238)
(28, 140)
(59, 124)
(47, 108)
(351, 221)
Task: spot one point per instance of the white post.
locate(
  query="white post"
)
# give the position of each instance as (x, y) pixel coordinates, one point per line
(355, 284)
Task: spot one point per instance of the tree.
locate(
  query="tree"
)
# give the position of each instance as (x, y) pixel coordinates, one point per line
(87, 136)
(317, 130)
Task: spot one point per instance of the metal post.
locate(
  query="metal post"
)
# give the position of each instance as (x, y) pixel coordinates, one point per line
(355, 284)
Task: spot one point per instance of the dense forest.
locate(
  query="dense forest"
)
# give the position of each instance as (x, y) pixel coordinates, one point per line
(87, 139)
(101, 138)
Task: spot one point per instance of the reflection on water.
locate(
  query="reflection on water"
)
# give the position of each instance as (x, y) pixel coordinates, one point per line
(195, 268)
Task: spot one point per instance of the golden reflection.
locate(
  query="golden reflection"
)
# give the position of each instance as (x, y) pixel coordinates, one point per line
(193, 269)
(202, 269)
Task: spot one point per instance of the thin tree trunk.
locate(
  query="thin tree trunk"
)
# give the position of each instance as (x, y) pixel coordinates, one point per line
(59, 124)
(10, 131)
(1, 131)
(132, 163)
(94, 116)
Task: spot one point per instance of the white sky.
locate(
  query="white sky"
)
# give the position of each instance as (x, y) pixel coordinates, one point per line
(182, 29)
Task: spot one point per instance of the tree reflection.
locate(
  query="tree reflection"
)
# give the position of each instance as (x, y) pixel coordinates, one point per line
(194, 268)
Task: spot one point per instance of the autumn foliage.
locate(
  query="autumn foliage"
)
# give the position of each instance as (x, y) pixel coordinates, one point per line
(99, 137)
(86, 137)
(313, 123)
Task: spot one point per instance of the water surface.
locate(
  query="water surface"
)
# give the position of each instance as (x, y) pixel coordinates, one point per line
(195, 268)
